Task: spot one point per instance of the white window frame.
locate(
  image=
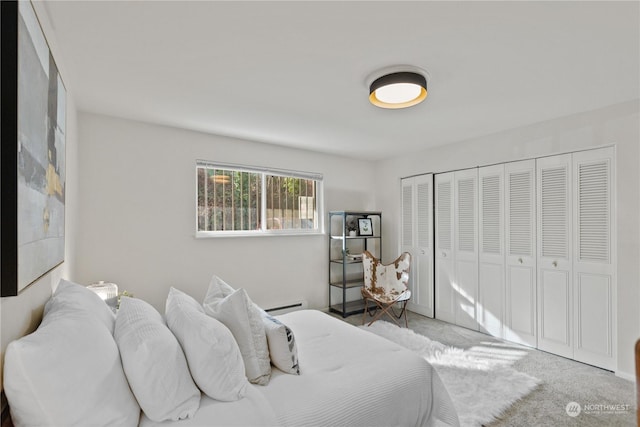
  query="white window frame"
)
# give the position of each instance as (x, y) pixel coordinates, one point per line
(263, 171)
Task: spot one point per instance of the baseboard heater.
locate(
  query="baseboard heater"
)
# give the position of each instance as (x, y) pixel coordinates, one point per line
(288, 307)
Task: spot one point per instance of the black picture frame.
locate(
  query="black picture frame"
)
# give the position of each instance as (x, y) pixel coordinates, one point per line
(33, 154)
(365, 227)
(8, 149)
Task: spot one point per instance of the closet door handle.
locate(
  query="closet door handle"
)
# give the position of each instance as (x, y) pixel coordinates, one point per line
(554, 263)
(444, 254)
(520, 260)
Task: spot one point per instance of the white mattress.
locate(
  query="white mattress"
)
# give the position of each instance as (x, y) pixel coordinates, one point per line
(349, 377)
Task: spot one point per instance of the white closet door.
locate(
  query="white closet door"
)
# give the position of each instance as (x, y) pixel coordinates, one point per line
(417, 239)
(466, 247)
(520, 229)
(407, 231)
(408, 228)
(445, 268)
(491, 258)
(422, 262)
(424, 245)
(555, 291)
(594, 269)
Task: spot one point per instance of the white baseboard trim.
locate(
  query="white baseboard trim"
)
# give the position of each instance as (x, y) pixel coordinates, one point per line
(626, 376)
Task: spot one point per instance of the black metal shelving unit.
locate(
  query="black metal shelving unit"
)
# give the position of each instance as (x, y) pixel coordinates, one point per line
(345, 268)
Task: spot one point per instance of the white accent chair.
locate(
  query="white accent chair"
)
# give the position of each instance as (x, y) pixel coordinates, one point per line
(386, 285)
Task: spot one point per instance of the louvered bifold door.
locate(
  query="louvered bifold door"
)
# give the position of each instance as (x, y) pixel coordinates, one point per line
(520, 238)
(594, 272)
(422, 262)
(408, 226)
(466, 246)
(555, 290)
(407, 231)
(491, 270)
(445, 294)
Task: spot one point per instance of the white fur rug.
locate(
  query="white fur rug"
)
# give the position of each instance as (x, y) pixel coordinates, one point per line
(480, 381)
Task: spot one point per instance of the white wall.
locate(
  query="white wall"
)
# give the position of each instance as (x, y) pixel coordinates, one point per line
(137, 215)
(617, 125)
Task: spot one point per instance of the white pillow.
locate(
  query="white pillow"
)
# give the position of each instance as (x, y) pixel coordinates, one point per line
(218, 288)
(154, 363)
(282, 344)
(237, 313)
(78, 298)
(212, 354)
(68, 372)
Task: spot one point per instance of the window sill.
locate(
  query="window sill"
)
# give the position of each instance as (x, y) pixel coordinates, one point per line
(224, 234)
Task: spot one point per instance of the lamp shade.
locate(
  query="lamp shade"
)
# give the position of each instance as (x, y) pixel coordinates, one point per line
(104, 290)
(398, 90)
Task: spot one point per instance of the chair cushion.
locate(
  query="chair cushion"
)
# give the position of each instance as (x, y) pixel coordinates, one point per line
(388, 282)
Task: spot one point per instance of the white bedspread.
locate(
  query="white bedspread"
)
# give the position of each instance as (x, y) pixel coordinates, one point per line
(349, 377)
(251, 410)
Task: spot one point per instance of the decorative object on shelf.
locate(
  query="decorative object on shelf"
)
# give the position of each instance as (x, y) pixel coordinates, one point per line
(365, 227)
(352, 226)
(33, 152)
(356, 257)
(346, 275)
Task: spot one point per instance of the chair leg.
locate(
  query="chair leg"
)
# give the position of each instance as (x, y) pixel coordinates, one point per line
(391, 315)
(383, 310)
(366, 309)
(377, 313)
(404, 309)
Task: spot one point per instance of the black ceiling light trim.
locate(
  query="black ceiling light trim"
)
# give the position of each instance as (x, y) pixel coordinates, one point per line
(402, 77)
(395, 78)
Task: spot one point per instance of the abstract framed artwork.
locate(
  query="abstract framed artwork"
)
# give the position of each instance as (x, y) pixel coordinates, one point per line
(32, 239)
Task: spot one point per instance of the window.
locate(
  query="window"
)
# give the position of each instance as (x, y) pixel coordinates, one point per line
(241, 200)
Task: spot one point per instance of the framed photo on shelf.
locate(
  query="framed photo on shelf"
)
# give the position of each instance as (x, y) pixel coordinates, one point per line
(365, 228)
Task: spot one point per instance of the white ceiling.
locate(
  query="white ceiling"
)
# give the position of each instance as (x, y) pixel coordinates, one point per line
(293, 73)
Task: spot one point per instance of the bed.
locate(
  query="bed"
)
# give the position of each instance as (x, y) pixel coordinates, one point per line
(348, 377)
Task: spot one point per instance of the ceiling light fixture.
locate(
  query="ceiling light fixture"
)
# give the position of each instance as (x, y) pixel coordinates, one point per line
(398, 87)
